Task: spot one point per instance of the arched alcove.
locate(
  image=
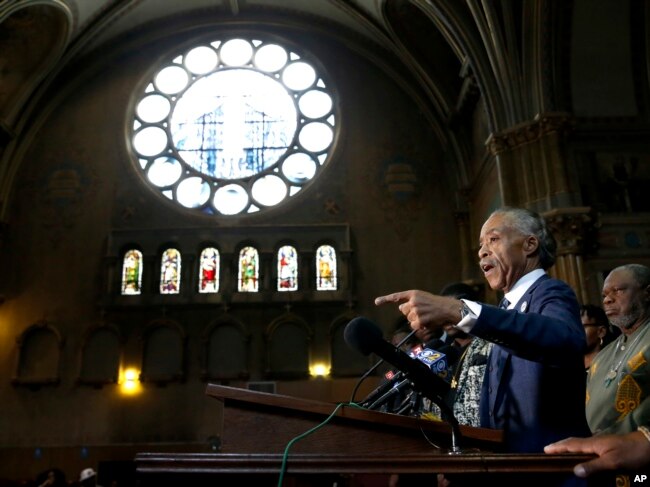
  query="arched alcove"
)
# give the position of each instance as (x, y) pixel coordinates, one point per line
(163, 352)
(226, 347)
(288, 341)
(345, 362)
(39, 355)
(100, 356)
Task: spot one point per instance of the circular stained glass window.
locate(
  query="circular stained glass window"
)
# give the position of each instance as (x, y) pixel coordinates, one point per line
(233, 126)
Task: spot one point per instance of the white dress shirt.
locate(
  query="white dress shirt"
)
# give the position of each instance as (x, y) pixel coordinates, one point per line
(513, 296)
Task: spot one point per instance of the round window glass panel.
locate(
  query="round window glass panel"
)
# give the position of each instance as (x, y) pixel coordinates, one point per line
(233, 126)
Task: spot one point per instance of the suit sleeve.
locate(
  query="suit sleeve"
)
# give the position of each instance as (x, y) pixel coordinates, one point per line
(549, 331)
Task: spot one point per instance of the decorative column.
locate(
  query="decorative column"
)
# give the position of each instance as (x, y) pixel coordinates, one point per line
(532, 165)
(571, 227)
(535, 172)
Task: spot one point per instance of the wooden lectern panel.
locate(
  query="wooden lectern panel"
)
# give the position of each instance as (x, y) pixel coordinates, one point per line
(257, 422)
(257, 427)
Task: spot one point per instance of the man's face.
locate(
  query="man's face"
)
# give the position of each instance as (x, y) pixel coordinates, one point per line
(503, 252)
(624, 300)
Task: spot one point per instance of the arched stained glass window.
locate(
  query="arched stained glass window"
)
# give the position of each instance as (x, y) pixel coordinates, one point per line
(209, 270)
(132, 272)
(170, 272)
(287, 268)
(326, 268)
(249, 264)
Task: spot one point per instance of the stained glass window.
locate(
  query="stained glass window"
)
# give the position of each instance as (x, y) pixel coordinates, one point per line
(248, 270)
(170, 272)
(209, 270)
(326, 268)
(234, 126)
(132, 272)
(287, 269)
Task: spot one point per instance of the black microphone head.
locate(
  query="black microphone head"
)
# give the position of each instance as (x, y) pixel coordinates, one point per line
(362, 335)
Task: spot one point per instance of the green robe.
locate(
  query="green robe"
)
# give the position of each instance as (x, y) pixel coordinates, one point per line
(618, 404)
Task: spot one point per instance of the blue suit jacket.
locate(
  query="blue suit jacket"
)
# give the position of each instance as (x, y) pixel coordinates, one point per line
(534, 385)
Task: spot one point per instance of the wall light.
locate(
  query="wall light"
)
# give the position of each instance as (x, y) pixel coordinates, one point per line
(130, 382)
(319, 369)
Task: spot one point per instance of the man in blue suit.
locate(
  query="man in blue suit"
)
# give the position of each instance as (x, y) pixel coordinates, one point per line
(534, 386)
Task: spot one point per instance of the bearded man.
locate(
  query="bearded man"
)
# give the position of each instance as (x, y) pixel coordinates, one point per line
(618, 382)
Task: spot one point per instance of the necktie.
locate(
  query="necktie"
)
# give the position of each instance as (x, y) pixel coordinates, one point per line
(504, 303)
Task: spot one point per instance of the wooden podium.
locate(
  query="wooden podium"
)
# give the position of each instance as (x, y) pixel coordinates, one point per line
(258, 427)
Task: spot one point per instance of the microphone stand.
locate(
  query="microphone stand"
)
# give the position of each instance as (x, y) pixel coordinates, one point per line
(447, 414)
(420, 382)
(374, 367)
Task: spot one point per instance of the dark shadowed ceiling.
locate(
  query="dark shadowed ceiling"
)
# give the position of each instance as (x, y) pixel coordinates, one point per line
(39, 40)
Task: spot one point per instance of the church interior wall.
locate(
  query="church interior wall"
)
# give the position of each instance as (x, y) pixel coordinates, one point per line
(77, 184)
(404, 203)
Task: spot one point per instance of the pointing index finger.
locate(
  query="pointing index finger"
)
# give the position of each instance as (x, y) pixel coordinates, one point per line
(393, 298)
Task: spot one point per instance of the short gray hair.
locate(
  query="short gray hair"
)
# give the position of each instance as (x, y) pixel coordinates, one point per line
(528, 222)
(640, 273)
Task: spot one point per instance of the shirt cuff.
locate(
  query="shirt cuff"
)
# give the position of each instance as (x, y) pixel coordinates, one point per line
(467, 323)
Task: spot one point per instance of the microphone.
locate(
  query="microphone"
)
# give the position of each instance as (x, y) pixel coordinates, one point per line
(364, 336)
(397, 387)
(382, 388)
(448, 348)
(436, 362)
(392, 380)
(374, 367)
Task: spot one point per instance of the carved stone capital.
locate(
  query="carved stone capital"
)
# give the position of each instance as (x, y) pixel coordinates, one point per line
(525, 133)
(569, 226)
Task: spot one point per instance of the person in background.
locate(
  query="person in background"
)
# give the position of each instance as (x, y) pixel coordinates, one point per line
(597, 331)
(468, 369)
(401, 336)
(53, 477)
(534, 386)
(618, 381)
(88, 478)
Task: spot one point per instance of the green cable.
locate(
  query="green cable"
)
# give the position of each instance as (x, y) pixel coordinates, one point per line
(307, 433)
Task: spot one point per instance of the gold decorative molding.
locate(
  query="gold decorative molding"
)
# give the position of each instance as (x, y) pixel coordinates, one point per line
(569, 227)
(525, 133)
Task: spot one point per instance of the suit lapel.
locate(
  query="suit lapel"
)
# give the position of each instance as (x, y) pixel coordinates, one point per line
(500, 358)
